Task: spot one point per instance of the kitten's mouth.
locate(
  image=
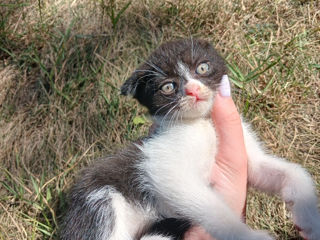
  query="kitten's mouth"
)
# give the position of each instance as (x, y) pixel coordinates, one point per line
(197, 99)
(201, 99)
(197, 103)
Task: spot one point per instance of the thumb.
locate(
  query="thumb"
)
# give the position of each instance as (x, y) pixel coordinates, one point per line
(230, 170)
(228, 127)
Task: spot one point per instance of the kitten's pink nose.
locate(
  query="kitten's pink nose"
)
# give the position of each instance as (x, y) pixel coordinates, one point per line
(193, 90)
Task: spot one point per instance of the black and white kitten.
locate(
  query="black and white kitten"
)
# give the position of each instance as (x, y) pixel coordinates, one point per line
(164, 179)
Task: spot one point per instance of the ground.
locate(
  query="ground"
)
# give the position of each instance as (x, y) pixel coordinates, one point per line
(62, 63)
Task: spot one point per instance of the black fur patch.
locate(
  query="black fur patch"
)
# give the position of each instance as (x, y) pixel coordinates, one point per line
(173, 227)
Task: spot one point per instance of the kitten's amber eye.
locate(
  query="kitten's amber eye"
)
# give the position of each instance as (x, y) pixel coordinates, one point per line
(168, 87)
(202, 68)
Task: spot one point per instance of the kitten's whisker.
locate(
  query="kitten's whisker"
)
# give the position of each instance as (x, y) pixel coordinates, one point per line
(147, 75)
(163, 107)
(156, 68)
(171, 121)
(170, 98)
(178, 114)
(156, 73)
(163, 118)
(192, 48)
(167, 114)
(150, 80)
(174, 118)
(181, 116)
(137, 81)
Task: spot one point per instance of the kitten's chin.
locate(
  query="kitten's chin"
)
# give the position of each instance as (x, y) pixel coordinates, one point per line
(198, 110)
(195, 109)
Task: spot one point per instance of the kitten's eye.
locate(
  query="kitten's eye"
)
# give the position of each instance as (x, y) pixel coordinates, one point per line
(168, 87)
(202, 68)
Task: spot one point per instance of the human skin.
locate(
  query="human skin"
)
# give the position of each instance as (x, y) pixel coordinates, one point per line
(229, 173)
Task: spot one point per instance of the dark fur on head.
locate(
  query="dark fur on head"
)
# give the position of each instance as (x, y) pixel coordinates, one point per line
(161, 66)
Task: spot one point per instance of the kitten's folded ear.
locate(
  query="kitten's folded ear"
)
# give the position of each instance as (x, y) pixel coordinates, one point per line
(130, 85)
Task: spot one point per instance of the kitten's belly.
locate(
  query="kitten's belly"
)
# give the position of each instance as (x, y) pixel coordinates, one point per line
(186, 150)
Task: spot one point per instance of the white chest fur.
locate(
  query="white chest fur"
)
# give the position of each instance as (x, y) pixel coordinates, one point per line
(184, 150)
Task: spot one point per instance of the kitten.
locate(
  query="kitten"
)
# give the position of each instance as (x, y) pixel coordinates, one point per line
(163, 180)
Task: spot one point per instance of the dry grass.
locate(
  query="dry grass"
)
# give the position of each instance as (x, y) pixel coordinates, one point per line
(62, 62)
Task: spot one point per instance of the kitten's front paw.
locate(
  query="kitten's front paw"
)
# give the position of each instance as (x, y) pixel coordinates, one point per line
(309, 228)
(309, 233)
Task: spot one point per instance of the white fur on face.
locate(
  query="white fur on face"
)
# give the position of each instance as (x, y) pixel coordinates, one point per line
(191, 107)
(184, 71)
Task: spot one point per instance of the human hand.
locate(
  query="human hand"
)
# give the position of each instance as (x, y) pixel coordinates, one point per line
(229, 173)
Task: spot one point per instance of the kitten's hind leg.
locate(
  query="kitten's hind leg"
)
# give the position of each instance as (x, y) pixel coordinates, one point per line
(289, 180)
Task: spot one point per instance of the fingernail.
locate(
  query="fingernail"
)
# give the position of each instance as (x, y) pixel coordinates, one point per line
(224, 87)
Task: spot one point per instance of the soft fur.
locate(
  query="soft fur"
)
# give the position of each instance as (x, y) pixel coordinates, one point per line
(163, 180)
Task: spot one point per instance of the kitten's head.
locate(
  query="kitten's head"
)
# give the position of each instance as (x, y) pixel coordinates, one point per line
(179, 80)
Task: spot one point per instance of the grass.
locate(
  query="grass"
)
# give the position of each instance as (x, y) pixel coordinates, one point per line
(62, 63)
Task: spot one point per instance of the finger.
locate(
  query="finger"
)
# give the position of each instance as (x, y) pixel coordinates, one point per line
(224, 112)
(228, 126)
(229, 173)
